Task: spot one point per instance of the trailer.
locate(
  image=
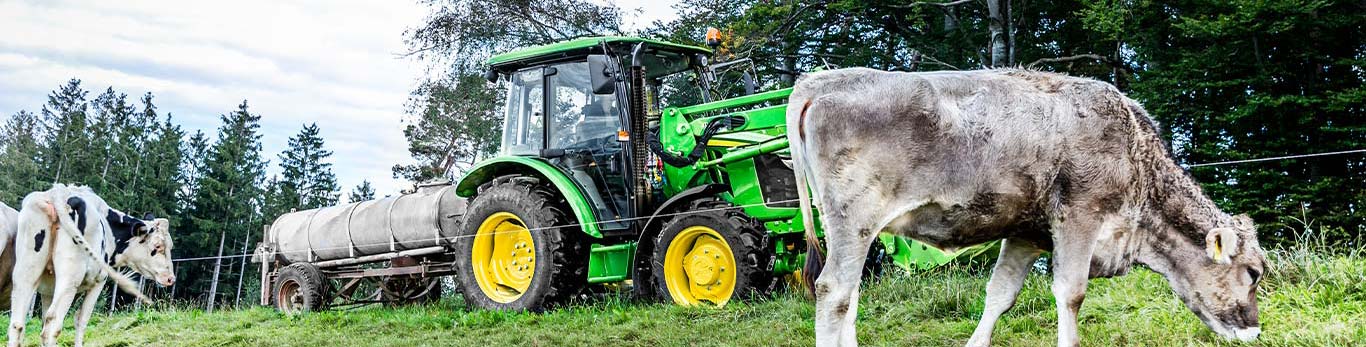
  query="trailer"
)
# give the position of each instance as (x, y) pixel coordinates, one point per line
(391, 250)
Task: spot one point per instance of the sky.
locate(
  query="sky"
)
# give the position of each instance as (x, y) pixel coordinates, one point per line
(336, 63)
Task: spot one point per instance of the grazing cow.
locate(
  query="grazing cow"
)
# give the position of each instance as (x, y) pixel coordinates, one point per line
(68, 241)
(1044, 161)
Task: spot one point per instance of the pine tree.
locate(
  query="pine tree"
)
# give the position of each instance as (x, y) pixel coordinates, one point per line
(305, 172)
(227, 191)
(67, 154)
(160, 177)
(195, 152)
(19, 150)
(115, 137)
(364, 191)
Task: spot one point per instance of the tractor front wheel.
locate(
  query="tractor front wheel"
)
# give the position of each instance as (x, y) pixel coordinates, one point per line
(710, 256)
(519, 250)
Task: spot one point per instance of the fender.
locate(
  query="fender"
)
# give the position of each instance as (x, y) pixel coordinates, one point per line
(645, 248)
(489, 169)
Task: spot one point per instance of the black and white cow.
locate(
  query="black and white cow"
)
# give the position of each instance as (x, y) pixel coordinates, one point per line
(67, 241)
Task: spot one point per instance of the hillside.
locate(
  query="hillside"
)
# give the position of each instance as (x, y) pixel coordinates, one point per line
(1307, 300)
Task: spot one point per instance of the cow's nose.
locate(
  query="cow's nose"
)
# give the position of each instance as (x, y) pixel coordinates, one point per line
(1247, 334)
(168, 281)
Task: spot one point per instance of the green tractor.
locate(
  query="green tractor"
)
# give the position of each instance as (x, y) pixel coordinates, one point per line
(598, 183)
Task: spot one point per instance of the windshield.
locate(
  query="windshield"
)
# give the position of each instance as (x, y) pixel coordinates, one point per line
(579, 118)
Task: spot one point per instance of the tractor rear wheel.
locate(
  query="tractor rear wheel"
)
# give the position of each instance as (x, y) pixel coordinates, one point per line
(712, 256)
(301, 287)
(519, 250)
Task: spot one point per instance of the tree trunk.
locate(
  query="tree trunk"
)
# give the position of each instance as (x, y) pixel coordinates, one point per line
(999, 51)
(1009, 16)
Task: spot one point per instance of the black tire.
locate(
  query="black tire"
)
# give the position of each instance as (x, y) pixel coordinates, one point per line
(748, 244)
(301, 287)
(561, 253)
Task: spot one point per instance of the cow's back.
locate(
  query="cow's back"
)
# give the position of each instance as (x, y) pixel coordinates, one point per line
(992, 149)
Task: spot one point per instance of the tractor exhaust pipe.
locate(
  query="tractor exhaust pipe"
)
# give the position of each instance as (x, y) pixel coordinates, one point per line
(639, 151)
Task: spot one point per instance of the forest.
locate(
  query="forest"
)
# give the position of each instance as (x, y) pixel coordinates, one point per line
(1228, 81)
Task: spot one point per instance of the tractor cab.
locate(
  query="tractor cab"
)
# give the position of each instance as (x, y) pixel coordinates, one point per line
(569, 104)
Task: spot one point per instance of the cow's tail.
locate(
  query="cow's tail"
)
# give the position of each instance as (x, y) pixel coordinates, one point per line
(75, 212)
(797, 146)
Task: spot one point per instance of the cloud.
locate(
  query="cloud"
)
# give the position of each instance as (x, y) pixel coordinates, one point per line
(335, 63)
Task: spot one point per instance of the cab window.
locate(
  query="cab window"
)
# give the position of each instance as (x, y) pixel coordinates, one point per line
(523, 128)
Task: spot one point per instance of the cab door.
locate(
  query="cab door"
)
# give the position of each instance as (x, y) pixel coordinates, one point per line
(584, 126)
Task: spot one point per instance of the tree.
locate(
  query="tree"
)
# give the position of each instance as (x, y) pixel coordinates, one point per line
(457, 124)
(159, 176)
(454, 118)
(363, 192)
(19, 151)
(457, 36)
(305, 173)
(1254, 79)
(67, 155)
(227, 191)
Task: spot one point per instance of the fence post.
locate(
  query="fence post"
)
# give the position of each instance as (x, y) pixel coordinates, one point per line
(217, 264)
(265, 269)
(241, 274)
(137, 304)
(113, 296)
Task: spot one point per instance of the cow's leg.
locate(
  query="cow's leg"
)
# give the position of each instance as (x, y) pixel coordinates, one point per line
(44, 299)
(848, 235)
(21, 302)
(30, 262)
(1006, 279)
(92, 296)
(68, 274)
(1073, 240)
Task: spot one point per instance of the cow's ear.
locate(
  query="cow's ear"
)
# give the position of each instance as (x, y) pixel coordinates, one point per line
(1221, 244)
(141, 228)
(149, 216)
(1244, 221)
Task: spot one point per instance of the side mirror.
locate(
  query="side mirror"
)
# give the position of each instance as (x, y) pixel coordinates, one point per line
(601, 73)
(491, 75)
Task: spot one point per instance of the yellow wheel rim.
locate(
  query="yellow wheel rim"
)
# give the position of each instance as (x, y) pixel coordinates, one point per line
(699, 268)
(503, 257)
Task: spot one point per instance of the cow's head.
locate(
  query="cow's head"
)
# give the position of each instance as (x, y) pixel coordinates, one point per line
(149, 252)
(1218, 278)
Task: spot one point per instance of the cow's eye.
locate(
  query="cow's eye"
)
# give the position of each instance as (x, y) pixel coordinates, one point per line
(1254, 274)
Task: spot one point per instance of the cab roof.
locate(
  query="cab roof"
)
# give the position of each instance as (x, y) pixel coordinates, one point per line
(583, 45)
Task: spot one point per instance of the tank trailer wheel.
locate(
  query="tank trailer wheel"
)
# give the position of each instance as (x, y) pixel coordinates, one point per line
(519, 250)
(300, 287)
(711, 257)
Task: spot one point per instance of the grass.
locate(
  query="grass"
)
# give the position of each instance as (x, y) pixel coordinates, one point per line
(1309, 299)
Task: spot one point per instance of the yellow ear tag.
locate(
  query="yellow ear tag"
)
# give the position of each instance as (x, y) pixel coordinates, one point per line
(1218, 249)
